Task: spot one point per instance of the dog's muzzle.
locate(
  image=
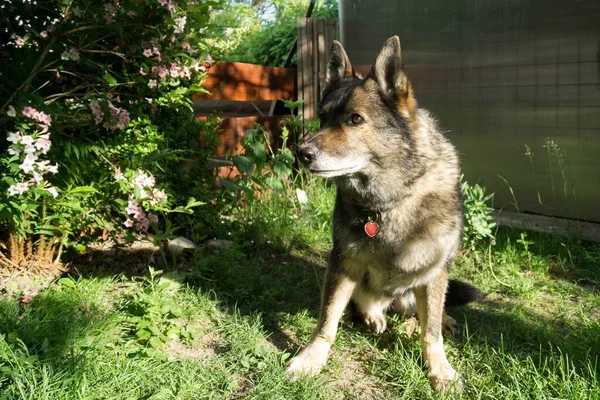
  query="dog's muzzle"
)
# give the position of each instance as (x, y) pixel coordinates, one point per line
(307, 154)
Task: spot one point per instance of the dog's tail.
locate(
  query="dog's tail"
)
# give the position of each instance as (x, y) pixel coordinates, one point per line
(460, 293)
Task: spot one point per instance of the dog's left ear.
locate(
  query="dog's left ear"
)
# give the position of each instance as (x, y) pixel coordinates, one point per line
(388, 71)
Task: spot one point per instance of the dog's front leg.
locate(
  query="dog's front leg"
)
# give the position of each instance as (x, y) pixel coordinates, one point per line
(337, 290)
(430, 308)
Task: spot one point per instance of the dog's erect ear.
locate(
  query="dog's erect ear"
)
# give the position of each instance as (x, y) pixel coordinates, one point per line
(388, 71)
(338, 66)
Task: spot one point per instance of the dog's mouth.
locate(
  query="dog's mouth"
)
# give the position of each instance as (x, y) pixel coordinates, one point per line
(330, 173)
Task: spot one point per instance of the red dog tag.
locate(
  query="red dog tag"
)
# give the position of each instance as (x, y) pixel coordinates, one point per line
(371, 228)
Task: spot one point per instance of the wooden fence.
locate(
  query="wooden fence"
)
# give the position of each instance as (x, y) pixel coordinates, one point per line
(315, 37)
(242, 95)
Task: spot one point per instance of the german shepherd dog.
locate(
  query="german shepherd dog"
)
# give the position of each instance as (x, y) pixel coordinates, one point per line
(398, 212)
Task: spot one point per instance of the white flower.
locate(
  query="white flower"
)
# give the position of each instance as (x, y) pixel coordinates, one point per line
(14, 137)
(13, 152)
(71, 54)
(180, 24)
(302, 197)
(30, 149)
(152, 83)
(43, 143)
(19, 188)
(52, 168)
(119, 175)
(27, 140)
(52, 191)
(29, 163)
(37, 178)
(11, 111)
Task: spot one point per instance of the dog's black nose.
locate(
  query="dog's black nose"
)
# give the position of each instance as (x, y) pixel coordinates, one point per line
(307, 154)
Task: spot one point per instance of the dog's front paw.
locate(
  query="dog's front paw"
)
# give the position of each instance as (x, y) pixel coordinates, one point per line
(310, 361)
(447, 380)
(376, 322)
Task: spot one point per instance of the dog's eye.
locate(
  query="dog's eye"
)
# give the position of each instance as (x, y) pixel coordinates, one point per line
(356, 119)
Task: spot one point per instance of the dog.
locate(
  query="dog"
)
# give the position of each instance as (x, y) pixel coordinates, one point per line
(398, 213)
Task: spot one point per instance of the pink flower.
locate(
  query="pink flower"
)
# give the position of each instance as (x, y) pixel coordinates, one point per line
(123, 119)
(29, 112)
(128, 223)
(133, 207)
(97, 111)
(19, 42)
(185, 72)
(11, 111)
(160, 71)
(148, 52)
(186, 46)
(153, 217)
(209, 59)
(174, 70)
(44, 34)
(44, 118)
(142, 224)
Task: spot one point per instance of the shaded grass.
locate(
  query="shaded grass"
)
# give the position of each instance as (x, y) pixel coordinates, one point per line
(537, 334)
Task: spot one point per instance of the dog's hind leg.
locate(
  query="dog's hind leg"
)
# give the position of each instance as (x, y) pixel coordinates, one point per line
(372, 308)
(405, 304)
(337, 290)
(430, 308)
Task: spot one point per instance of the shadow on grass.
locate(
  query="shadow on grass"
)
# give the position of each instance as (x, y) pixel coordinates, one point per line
(50, 327)
(272, 281)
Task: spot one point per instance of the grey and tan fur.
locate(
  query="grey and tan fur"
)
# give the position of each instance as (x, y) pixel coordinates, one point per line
(391, 166)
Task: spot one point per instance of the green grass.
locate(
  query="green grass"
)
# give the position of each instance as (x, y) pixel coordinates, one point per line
(227, 327)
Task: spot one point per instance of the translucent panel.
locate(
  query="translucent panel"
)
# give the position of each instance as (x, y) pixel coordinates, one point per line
(516, 83)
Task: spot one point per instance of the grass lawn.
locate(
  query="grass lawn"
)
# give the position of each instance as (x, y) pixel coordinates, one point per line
(224, 325)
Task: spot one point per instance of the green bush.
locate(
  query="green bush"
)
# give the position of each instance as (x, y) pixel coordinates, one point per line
(478, 221)
(96, 100)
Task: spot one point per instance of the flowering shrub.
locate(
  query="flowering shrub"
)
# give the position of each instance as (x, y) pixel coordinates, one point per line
(91, 93)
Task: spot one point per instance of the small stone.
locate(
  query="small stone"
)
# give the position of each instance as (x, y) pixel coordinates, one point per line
(216, 245)
(180, 244)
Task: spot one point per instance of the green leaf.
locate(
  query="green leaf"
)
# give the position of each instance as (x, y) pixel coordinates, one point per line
(155, 342)
(110, 79)
(67, 282)
(243, 163)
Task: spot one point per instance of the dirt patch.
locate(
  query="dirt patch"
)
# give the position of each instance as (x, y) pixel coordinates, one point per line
(353, 379)
(205, 347)
(25, 285)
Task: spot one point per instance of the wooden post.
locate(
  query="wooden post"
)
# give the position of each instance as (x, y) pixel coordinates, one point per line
(315, 37)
